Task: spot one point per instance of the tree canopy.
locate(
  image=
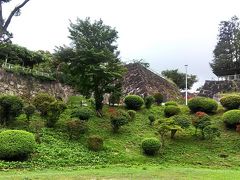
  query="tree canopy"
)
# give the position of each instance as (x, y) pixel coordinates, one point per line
(226, 59)
(179, 78)
(92, 62)
(5, 35)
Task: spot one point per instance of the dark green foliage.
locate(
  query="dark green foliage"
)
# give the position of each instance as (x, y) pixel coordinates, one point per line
(151, 146)
(29, 111)
(149, 100)
(211, 132)
(92, 60)
(118, 119)
(171, 110)
(54, 111)
(42, 102)
(179, 78)
(132, 114)
(231, 118)
(10, 108)
(230, 102)
(203, 104)
(133, 102)
(182, 120)
(75, 128)
(226, 53)
(158, 98)
(36, 126)
(83, 113)
(151, 118)
(172, 103)
(201, 123)
(16, 144)
(95, 143)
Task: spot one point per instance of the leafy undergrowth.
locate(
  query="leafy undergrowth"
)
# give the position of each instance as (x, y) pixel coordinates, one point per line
(57, 151)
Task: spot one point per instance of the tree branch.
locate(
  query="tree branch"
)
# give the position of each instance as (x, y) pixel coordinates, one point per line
(12, 14)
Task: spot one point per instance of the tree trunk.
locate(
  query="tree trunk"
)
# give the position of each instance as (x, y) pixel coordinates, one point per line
(98, 103)
(173, 132)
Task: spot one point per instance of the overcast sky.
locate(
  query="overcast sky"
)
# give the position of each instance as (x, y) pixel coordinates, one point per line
(166, 33)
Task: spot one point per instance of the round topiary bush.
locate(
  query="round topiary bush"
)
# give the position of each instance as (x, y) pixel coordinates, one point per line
(230, 102)
(231, 118)
(151, 146)
(203, 104)
(83, 113)
(158, 98)
(149, 100)
(119, 119)
(42, 101)
(75, 128)
(172, 103)
(16, 144)
(132, 114)
(171, 110)
(95, 143)
(133, 102)
(151, 118)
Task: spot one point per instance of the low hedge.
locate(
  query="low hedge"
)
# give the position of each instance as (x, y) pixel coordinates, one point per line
(203, 104)
(231, 118)
(230, 102)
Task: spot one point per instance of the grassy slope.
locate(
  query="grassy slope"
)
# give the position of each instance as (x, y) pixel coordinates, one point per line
(57, 152)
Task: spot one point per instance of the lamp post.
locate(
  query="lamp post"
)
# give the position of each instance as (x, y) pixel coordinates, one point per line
(186, 95)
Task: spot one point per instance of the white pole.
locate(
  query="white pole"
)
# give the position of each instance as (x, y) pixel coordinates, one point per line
(186, 95)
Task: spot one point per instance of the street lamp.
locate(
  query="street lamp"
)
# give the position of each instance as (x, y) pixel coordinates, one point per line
(186, 95)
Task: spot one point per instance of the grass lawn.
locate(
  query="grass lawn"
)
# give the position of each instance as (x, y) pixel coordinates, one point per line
(118, 172)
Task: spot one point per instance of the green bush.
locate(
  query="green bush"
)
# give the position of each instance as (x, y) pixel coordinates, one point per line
(230, 102)
(211, 132)
(151, 118)
(182, 120)
(54, 111)
(83, 113)
(16, 144)
(75, 128)
(231, 118)
(29, 111)
(149, 100)
(151, 146)
(42, 101)
(95, 143)
(132, 114)
(172, 103)
(203, 104)
(133, 102)
(10, 108)
(171, 110)
(158, 98)
(119, 119)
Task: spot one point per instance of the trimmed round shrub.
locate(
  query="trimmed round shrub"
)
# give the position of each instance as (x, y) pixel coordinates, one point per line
(211, 132)
(132, 114)
(83, 113)
(230, 102)
(171, 110)
(203, 104)
(158, 98)
(42, 101)
(119, 119)
(16, 144)
(151, 146)
(231, 118)
(11, 107)
(95, 143)
(133, 102)
(75, 128)
(151, 118)
(29, 110)
(149, 100)
(172, 103)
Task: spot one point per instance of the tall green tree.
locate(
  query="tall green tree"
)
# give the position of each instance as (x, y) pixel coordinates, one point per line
(226, 59)
(180, 78)
(5, 35)
(92, 60)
